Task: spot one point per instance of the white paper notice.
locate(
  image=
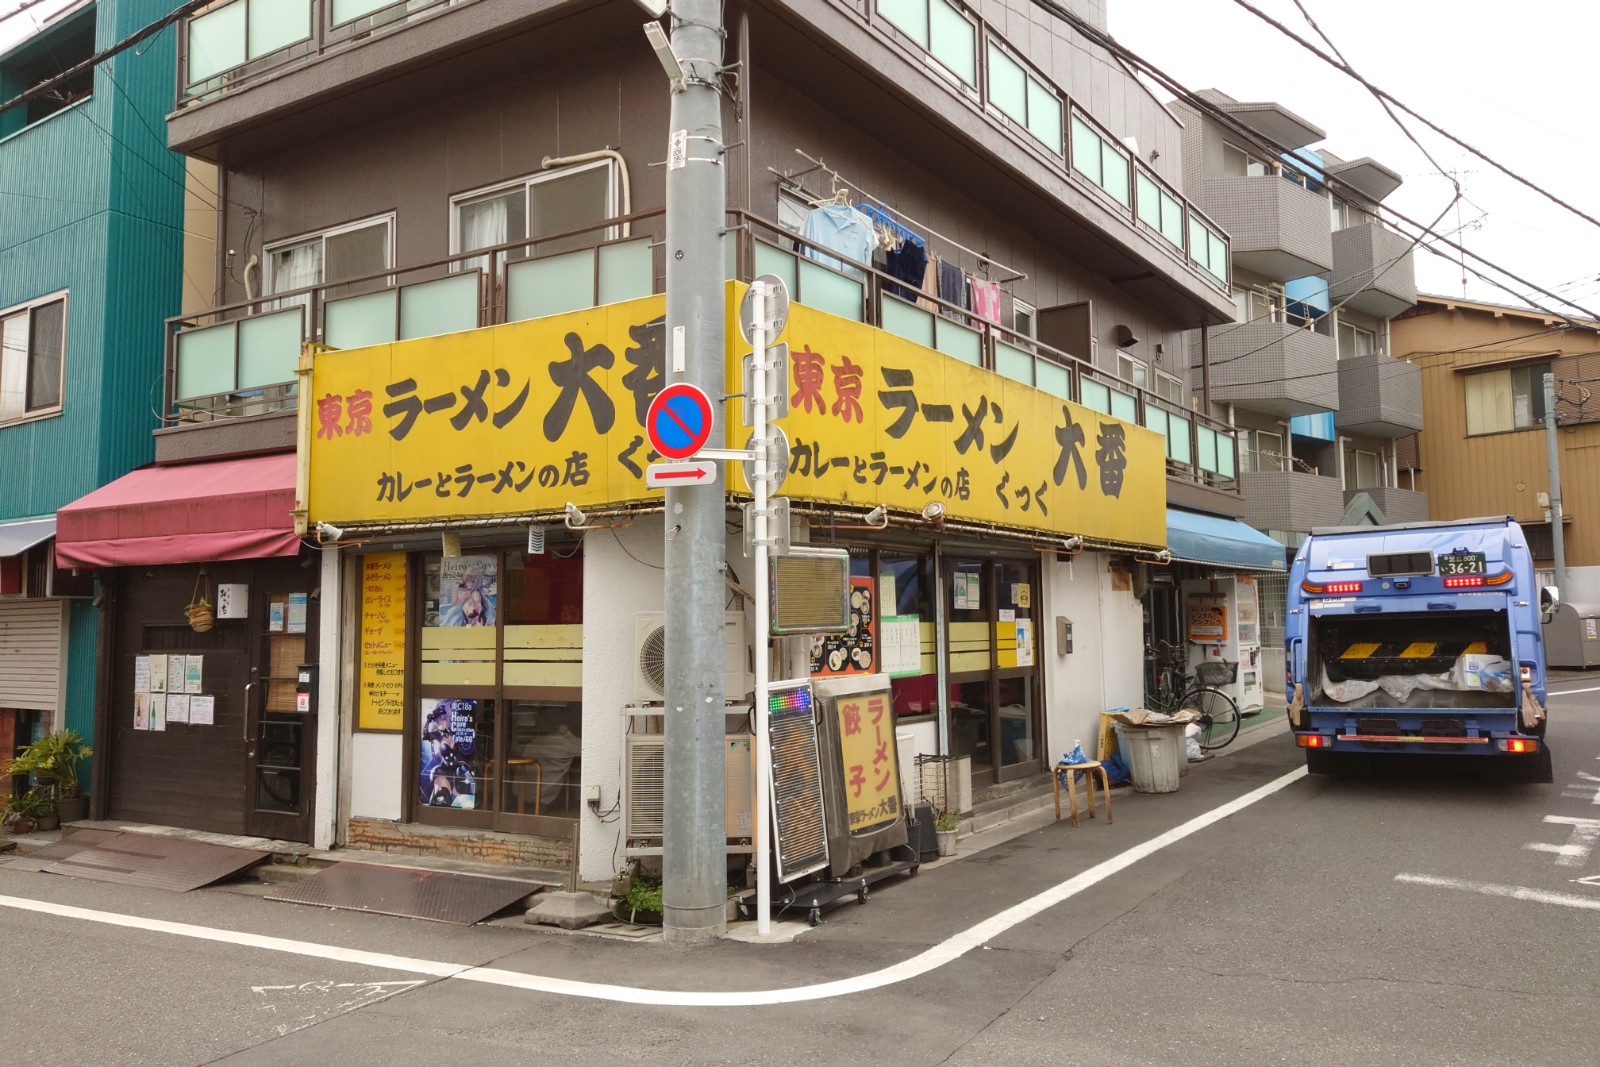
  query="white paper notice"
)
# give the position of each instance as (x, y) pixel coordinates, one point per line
(175, 673)
(1024, 642)
(192, 666)
(178, 707)
(141, 711)
(900, 644)
(141, 674)
(1008, 614)
(202, 710)
(158, 674)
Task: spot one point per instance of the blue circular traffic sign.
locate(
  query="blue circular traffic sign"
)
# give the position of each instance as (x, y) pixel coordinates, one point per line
(679, 421)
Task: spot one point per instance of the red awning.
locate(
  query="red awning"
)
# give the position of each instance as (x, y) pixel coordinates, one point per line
(192, 513)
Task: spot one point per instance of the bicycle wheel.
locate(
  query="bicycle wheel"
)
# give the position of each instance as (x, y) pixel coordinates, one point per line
(1219, 716)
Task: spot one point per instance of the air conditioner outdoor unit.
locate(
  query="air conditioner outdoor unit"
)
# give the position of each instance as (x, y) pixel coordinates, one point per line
(644, 789)
(650, 657)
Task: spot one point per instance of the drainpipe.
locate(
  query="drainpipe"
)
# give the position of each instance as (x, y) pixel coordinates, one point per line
(1205, 368)
(1553, 447)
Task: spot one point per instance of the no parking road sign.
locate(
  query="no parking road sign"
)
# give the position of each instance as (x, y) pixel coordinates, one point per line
(679, 421)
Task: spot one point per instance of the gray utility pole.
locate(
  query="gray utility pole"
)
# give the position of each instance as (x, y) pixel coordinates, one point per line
(1553, 445)
(695, 850)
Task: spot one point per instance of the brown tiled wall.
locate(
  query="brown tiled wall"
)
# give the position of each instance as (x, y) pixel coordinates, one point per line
(511, 849)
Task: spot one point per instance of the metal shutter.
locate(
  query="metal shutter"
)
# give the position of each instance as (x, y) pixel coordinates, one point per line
(30, 654)
(802, 833)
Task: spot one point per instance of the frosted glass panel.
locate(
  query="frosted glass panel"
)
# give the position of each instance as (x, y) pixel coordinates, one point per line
(1008, 85)
(276, 24)
(1124, 406)
(626, 271)
(205, 361)
(1178, 440)
(771, 260)
(1014, 363)
(550, 286)
(906, 320)
(1172, 219)
(1207, 439)
(953, 41)
(1156, 419)
(1218, 265)
(955, 340)
(730, 255)
(448, 305)
(1052, 378)
(1114, 180)
(216, 41)
(909, 16)
(345, 10)
(269, 348)
(1085, 150)
(358, 321)
(1094, 395)
(1044, 115)
(1226, 450)
(1149, 201)
(824, 290)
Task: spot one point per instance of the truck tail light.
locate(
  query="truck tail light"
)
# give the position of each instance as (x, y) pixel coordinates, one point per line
(1311, 741)
(1518, 744)
(1498, 579)
(1331, 588)
(1465, 581)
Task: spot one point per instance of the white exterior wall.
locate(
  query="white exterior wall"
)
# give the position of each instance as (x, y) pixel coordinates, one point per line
(1106, 667)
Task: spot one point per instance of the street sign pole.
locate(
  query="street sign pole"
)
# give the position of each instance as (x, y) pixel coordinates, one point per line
(761, 538)
(694, 859)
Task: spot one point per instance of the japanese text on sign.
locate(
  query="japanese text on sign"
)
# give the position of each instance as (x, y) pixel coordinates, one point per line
(383, 642)
(871, 773)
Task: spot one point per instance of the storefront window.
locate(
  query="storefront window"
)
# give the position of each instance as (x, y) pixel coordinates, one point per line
(994, 712)
(906, 590)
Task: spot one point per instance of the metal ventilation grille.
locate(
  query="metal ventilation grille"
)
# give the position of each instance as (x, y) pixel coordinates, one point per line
(802, 835)
(811, 592)
(653, 660)
(646, 773)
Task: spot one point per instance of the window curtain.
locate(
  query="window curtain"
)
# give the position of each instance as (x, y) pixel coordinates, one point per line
(296, 268)
(484, 225)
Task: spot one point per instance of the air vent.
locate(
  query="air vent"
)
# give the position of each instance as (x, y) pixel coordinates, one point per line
(644, 800)
(811, 591)
(802, 835)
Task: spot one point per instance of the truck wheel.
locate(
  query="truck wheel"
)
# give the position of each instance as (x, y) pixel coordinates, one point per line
(1541, 769)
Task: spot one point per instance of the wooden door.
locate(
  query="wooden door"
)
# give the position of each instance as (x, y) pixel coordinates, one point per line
(281, 741)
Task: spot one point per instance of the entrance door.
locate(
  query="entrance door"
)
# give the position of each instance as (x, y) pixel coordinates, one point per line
(994, 673)
(280, 741)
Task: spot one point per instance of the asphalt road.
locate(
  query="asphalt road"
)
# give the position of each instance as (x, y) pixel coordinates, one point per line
(1419, 916)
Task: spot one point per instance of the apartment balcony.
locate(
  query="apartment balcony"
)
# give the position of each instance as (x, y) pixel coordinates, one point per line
(1292, 501)
(1277, 229)
(1271, 367)
(231, 381)
(1373, 271)
(1379, 396)
(1397, 505)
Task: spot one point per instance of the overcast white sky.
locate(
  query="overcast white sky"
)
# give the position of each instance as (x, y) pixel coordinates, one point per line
(1516, 81)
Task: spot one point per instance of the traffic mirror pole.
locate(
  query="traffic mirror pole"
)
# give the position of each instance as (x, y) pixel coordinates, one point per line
(694, 853)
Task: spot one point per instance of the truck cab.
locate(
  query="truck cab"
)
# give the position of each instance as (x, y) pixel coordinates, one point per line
(1416, 638)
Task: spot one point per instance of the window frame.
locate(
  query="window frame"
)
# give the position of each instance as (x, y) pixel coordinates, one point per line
(1256, 452)
(268, 272)
(1268, 168)
(1107, 144)
(1021, 309)
(27, 308)
(979, 57)
(527, 182)
(1030, 81)
(1536, 370)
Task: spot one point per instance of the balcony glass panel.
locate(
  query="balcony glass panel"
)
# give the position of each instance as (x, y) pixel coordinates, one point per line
(358, 321)
(1052, 378)
(1149, 201)
(217, 41)
(1114, 175)
(1044, 115)
(627, 271)
(909, 16)
(550, 286)
(1178, 446)
(775, 261)
(958, 341)
(448, 305)
(346, 10)
(730, 257)
(1086, 150)
(1206, 438)
(269, 348)
(1014, 363)
(1218, 264)
(953, 41)
(206, 360)
(1095, 396)
(1172, 219)
(1008, 85)
(1226, 455)
(276, 24)
(1155, 419)
(1124, 406)
(824, 290)
(908, 321)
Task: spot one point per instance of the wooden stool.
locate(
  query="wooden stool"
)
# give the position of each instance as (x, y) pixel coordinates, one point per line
(1069, 771)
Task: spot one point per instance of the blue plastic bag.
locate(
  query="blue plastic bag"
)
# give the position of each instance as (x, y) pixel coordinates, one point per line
(1076, 755)
(1117, 769)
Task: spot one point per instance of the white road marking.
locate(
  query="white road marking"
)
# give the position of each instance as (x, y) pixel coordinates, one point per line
(360, 994)
(930, 959)
(1580, 842)
(1515, 892)
(1573, 692)
(1593, 879)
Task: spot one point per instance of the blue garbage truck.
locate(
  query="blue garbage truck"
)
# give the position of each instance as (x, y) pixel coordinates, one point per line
(1417, 638)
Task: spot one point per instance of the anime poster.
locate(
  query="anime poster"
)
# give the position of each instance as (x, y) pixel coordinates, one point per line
(855, 650)
(468, 588)
(450, 761)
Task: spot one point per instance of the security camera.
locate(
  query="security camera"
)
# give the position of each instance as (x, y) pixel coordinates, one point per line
(878, 516)
(328, 532)
(576, 519)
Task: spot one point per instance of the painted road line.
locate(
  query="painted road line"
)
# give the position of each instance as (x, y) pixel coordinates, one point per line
(1515, 892)
(929, 960)
(1574, 692)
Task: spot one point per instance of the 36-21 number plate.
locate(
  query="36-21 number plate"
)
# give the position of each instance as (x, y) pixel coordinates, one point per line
(1451, 563)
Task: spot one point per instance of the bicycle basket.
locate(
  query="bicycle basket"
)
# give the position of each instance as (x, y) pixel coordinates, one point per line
(1216, 672)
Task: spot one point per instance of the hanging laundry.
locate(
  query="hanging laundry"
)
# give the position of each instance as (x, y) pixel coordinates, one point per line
(986, 300)
(842, 229)
(952, 290)
(909, 263)
(930, 285)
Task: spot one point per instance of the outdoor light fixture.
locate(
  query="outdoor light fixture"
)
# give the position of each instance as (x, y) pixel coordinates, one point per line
(933, 511)
(663, 49)
(878, 516)
(1073, 543)
(576, 519)
(328, 532)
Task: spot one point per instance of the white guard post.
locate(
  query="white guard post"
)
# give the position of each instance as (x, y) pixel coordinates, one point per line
(762, 540)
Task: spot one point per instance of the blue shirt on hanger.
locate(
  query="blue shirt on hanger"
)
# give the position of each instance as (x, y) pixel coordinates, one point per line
(843, 229)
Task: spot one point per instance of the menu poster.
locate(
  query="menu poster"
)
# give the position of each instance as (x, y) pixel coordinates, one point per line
(178, 707)
(297, 613)
(175, 671)
(202, 710)
(192, 672)
(381, 686)
(854, 651)
(141, 674)
(277, 609)
(141, 711)
(158, 674)
(1024, 642)
(968, 590)
(902, 646)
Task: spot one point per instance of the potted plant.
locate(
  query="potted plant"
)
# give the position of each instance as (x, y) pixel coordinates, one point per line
(641, 904)
(53, 761)
(945, 824)
(29, 811)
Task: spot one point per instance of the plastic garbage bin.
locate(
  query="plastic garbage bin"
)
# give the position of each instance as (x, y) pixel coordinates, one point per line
(1155, 756)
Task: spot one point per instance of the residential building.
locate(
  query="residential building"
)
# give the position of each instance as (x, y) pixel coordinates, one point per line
(1307, 374)
(455, 208)
(91, 224)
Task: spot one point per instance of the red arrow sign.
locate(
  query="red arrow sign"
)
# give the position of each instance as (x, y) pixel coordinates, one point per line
(661, 475)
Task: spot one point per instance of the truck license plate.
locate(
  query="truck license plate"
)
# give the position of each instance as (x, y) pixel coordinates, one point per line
(1462, 563)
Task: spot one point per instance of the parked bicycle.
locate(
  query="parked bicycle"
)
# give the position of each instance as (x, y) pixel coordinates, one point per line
(1169, 689)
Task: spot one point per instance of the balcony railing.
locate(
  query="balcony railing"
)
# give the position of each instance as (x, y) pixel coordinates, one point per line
(240, 359)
